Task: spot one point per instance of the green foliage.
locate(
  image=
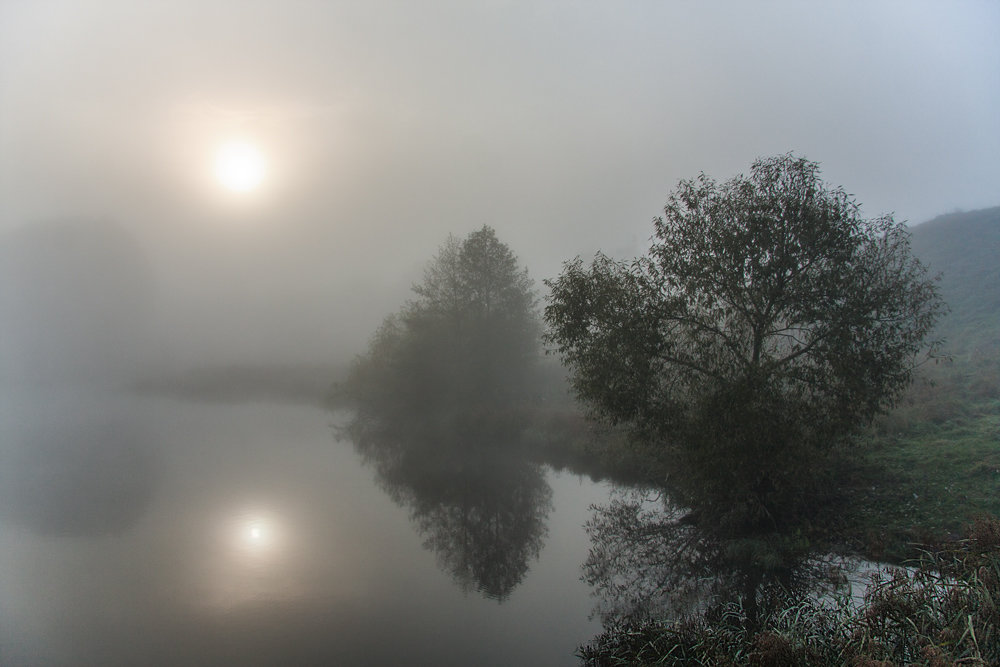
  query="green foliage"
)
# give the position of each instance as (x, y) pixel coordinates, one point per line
(942, 610)
(465, 348)
(768, 324)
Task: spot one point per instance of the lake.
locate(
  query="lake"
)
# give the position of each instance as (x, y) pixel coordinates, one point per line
(149, 530)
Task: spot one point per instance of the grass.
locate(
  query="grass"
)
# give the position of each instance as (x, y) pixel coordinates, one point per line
(922, 475)
(930, 468)
(944, 609)
(927, 485)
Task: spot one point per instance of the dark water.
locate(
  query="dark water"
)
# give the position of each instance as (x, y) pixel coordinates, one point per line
(152, 531)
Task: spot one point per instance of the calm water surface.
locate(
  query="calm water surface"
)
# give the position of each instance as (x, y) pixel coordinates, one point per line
(155, 531)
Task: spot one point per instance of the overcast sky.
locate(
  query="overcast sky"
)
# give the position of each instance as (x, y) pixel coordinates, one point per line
(387, 125)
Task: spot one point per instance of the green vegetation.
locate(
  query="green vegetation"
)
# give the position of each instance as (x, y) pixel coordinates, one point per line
(943, 610)
(767, 326)
(926, 483)
(919, 474)
(443, 406)
(923, 473)
(965, 248)
(934, 461)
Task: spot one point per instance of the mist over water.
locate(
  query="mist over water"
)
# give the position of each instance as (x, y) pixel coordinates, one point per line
(158, 513)
(171, 487)
(244, 533)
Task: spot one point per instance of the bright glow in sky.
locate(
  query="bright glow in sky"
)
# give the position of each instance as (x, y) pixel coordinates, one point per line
(388, 125)
(240, 166)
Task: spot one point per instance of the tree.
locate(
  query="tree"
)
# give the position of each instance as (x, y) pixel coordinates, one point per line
(434, 398)
(465, 346)
(768, 323)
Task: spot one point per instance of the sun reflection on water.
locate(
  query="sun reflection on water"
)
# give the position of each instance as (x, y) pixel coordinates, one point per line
(254, 560)
(259, 534)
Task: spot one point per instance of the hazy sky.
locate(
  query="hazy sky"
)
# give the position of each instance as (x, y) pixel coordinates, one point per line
(388, 124)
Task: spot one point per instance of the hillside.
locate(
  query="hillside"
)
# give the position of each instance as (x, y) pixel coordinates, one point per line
(937, 455)
(965, 249)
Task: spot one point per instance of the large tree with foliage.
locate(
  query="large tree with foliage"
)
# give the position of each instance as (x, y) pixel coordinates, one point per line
(768, 323)
(464, 347)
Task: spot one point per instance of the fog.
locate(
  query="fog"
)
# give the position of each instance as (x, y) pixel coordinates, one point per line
(140, 526)
(388, 125)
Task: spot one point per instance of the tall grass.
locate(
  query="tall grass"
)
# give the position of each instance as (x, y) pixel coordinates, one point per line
(943, 609)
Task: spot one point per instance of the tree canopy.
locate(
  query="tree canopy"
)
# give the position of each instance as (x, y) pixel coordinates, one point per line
(767, 324)
(466, 344)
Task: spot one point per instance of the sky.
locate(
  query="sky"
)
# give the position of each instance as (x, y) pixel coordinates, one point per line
(387, 125)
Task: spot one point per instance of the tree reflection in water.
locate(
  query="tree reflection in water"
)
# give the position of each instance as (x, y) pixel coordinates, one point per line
(645, 560)
(479, 507)
(649, 560)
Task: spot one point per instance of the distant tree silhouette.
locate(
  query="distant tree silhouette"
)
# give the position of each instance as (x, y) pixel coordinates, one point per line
(464, 348)
(436, 401)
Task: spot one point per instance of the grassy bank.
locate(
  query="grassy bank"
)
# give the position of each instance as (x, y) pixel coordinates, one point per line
(912, 482)
(928, 483)
(944, 610)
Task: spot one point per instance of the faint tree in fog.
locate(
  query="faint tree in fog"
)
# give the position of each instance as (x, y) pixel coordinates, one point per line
(437, 399)
(464, 348)
(76, 298)
(767, 325)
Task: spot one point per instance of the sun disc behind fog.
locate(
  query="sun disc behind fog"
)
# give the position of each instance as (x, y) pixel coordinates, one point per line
(240, 166)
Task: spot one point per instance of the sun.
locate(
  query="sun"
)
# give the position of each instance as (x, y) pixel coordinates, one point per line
(240, 166)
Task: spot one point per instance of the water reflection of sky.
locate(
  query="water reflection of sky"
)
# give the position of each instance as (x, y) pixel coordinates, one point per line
(266, 542)
(252, 561)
